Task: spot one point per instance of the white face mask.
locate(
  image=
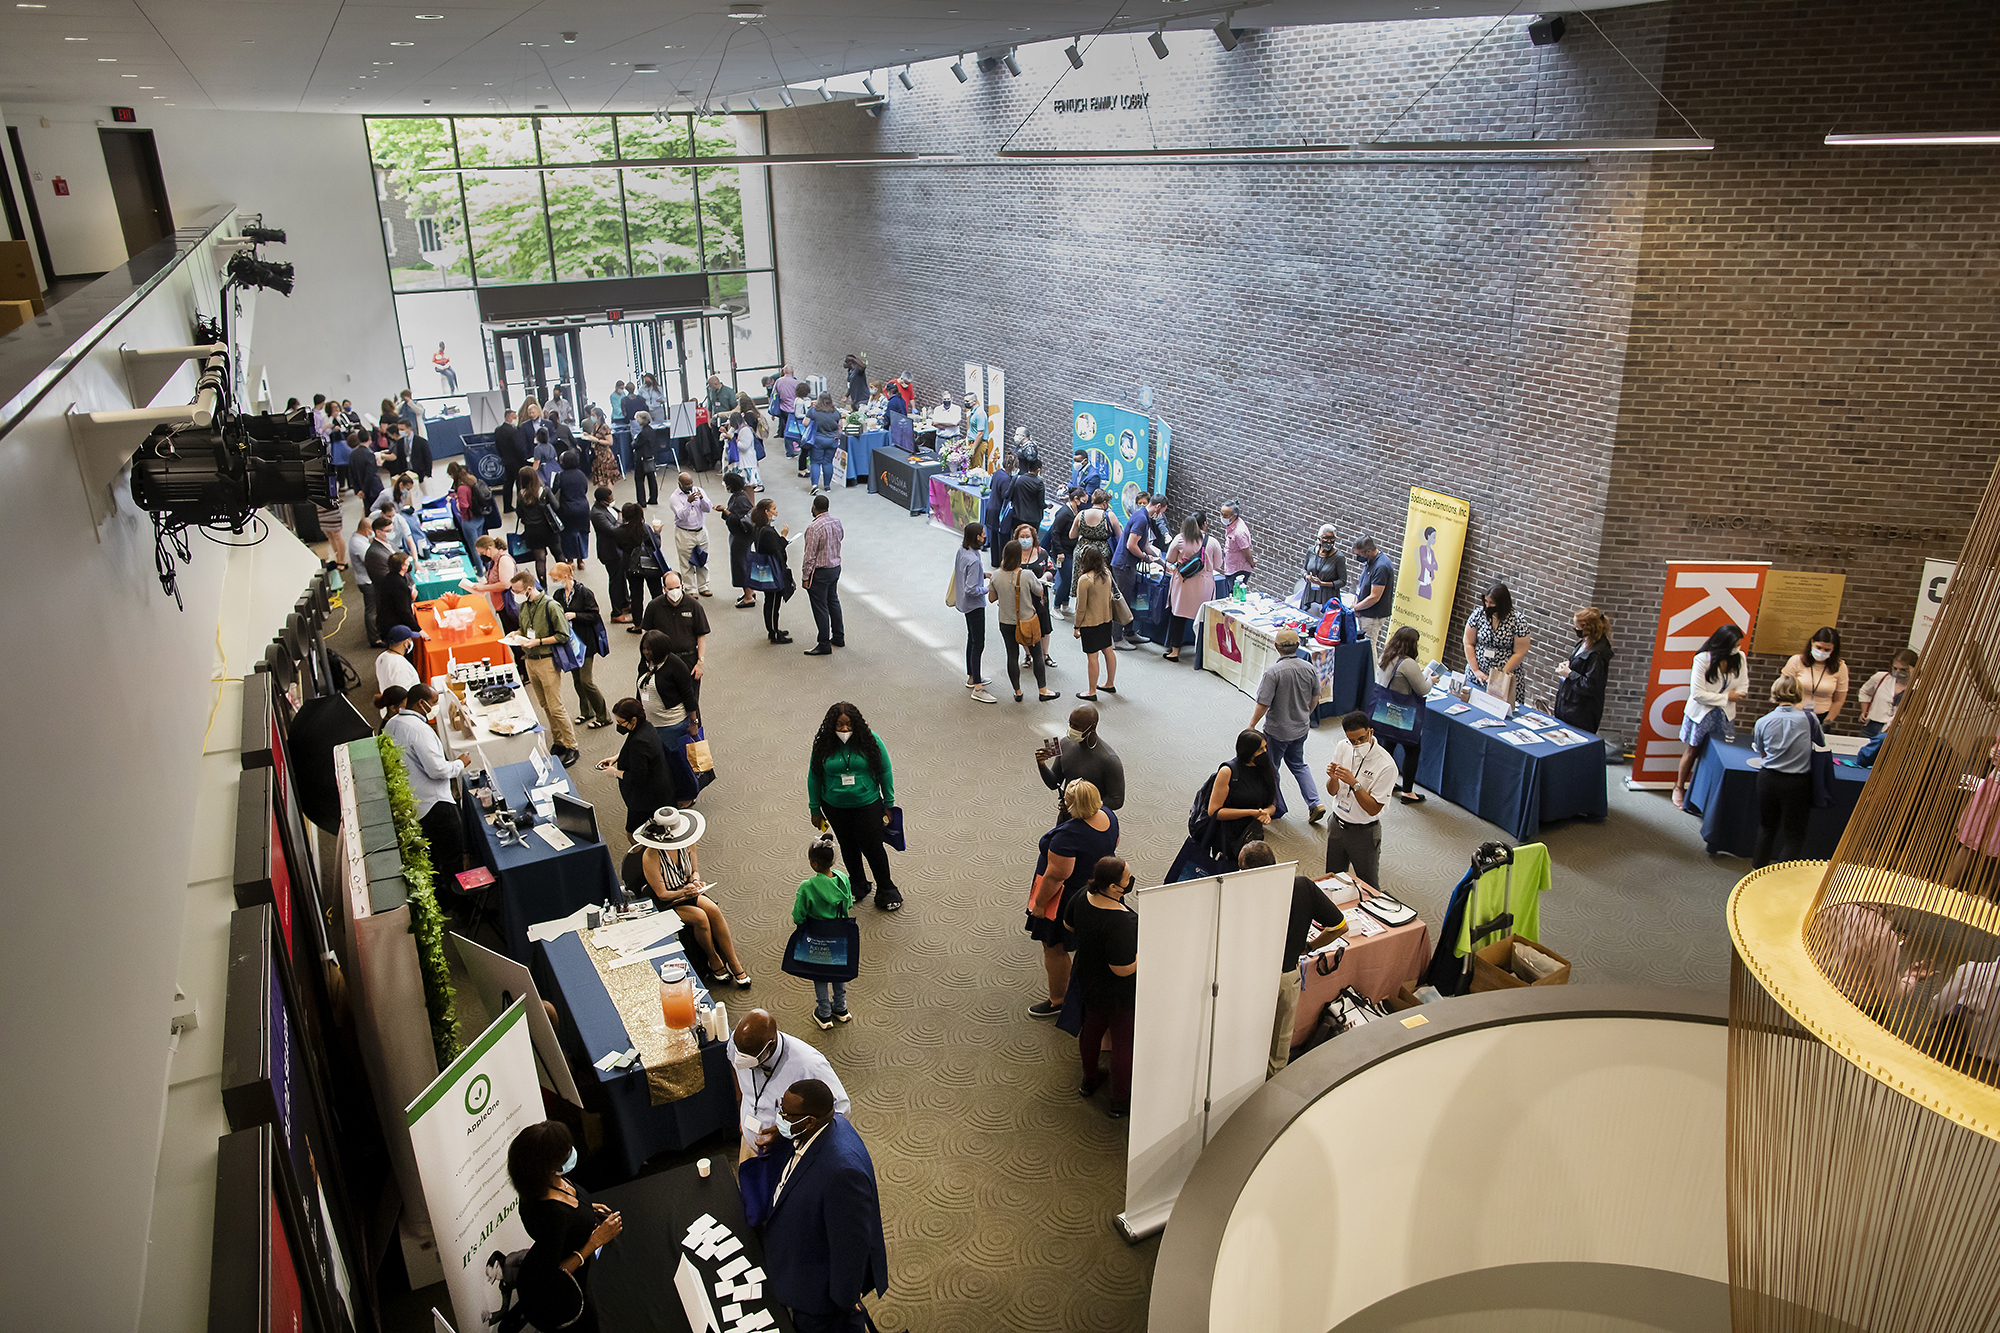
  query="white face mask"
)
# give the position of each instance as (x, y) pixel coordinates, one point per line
(843, 736)
(673, 594)
(1821, 654)
(744, 1060)
(1075, 735)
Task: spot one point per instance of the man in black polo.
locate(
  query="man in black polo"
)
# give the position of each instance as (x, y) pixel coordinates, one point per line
(681, 619)
(507, 443)
(1374, 588)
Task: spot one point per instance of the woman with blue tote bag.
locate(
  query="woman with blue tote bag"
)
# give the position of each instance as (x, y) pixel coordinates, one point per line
(1396, 705)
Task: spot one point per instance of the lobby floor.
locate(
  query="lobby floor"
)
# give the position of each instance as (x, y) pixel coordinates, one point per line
(998, 1184)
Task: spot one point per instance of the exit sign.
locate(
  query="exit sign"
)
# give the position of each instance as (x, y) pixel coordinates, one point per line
(125, 115)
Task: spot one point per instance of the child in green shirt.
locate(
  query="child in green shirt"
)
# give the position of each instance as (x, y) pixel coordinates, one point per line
(827, 896)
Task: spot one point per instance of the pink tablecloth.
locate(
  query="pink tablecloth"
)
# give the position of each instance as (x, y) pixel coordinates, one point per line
(1375, 966)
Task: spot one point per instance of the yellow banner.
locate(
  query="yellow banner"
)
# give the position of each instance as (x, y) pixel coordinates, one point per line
(1427, 578)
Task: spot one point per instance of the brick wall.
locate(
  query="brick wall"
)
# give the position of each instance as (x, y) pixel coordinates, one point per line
(1524, 335)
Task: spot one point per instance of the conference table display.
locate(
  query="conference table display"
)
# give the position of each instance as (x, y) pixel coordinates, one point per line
(1521, 773)
(904, 478)
(1723, 792)
(539, 880)
(1377, 959)
(458, 638)
(1237, 641)
(442, 571)
(955, 503)
(439, 525)
(507, 732)
(675, 1218)
(679, 1088)
(861, 455)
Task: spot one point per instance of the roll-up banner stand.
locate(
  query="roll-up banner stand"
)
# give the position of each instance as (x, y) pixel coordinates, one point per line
(975, 386)
(1159, 486)
(1119, 439)
(996, 405)
(1209, 953)
(1427, 579)
(1930, 600)
(1700, 597)
(460, 1129)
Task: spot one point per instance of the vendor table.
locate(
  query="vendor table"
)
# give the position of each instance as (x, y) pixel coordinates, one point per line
(1376, 965)
(537, 882)
(1236, 644)
(632, 1282)
(439, 524)
(1518, 787)
(861, 455)
(441, 573)
(482, 640)
(1724, 792)
(904, 478)
(447, 436)
(505, 733)
(953, 503)
(593, 1026)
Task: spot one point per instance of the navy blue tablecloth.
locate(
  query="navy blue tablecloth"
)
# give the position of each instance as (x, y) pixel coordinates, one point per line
(1520, 788)
(1353, 667)
(621, 444)
(861, 454)
(1723, 792)
(536, 882)
(447, 435)
(634, 1128)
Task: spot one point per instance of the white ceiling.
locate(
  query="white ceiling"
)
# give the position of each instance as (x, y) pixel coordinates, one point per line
(481, 55)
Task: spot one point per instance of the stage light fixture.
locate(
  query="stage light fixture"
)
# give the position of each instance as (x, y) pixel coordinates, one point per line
(903, 77)
(1013, 64)
(246, 270)
(958, 69)
(755, 105)
(265, 235)
(785, 96)
(1940, 138)
(1547, 30)
(1158, 41)
(868, 82)
(569, 38)
(825, 93)
(1075, 56)
(1226, 34)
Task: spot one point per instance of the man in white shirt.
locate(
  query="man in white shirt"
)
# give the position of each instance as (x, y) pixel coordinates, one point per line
(767, 1062)
(947, 417)
(393, 667)
(1358, 783)
(691, 510)
(356, 568)
(430, 776)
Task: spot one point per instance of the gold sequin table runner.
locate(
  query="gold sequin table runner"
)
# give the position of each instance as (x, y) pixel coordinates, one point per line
(672, 1057)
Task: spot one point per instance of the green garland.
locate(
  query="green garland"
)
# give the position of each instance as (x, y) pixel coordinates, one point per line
(426, 921)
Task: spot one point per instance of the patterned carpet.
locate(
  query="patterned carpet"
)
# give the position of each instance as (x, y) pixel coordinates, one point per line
(998, 1184)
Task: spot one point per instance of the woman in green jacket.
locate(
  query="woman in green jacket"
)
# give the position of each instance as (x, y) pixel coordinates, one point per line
(850, 789)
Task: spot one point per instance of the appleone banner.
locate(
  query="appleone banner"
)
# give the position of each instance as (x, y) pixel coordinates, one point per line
(1427, 578)
(1700, 597)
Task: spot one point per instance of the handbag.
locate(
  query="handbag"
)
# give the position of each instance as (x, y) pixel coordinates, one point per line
(1389, 911)
(1027, 629)
(1121, 614)
(1193, 565)
(764, 572)
(793, 430)
(569, 655)
(951, 589)
(699, 757)
(757, 1180)
(892, 829)
(824, 949)
(1500, 684)
(1400, 714)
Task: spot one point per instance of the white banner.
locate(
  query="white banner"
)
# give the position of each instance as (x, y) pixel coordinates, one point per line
(996, 405)
(1207, 1000)
(1930, 600)
(975, 391)
(460, 1129)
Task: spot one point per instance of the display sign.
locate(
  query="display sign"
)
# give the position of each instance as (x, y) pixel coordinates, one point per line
(1930, 600)
(1119, 440)
(996, 405)
(1700, 597)
(1159, 486)
(483, 457)
(904, 478)
(975, 387)
(460, 1129)
(1427, 578)
(952, 505)
(1795, 604)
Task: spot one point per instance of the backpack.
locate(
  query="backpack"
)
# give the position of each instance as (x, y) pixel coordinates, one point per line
(482, 497)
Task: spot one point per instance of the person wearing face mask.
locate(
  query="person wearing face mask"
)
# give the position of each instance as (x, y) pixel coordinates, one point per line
(691, 510)
(1358, 780)
(580, 605)
(1822, 674)
(1326, 570)
(850, 789)
(1107, 968)
(1580, 680)
(644, 780)
(824, 1246)
(1496, 641)
(767, 1062)
(568, 1229)
(1082, 755)
(430, 776)
(1883, 694)
(684, 622)
(671, 700)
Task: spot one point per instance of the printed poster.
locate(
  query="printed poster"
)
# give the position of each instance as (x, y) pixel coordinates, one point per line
(996, 405)
(1930, 600)
(1427, 577)
(1160, 468)
(1795, 605)
(1119, 441)
(1700, 597)
(459, 1129)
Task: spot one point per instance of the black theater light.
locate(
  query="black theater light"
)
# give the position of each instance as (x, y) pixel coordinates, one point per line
(958, 69)
(1075, 56)
(1547, 30)
(1158, 41)
(1226, 34)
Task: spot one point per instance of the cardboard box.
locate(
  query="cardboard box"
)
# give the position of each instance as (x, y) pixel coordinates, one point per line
(1405, 998)
(13, 314)
(1492, 967)
(17, 275)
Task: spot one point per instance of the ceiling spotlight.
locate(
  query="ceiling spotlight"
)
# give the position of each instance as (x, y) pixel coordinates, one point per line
(958, 69)
(430, 18)
(1075, 56)
(727, 109)
(1012, 63)
(903, 77)
(746, 13)
(402, 43)
(1158, 41)
(825, 93)
(868, 82)
(1547, 30)
(755, 105)
(785, 96)
(570, 37)
(1226, 34)
(427, 101)
(645, 67)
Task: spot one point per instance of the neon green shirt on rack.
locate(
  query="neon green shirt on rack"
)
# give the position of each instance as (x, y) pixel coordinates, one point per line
(1491, 896)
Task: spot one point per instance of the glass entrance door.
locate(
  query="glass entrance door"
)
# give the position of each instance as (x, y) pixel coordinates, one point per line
(543, 364)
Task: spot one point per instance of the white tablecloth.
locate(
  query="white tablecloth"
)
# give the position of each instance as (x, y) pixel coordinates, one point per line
(1239, 650)
(517, 715)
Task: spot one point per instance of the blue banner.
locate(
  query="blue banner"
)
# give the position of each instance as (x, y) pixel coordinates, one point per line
(1118, 443)
(1166, 443)
(484, 459)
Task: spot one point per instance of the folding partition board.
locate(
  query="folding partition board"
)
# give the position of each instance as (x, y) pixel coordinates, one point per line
(1209, 952)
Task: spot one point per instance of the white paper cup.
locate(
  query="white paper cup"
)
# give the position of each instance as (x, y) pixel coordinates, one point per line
(702, 1166)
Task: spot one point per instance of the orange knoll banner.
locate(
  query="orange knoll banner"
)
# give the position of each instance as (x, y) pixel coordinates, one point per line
(1700, 597)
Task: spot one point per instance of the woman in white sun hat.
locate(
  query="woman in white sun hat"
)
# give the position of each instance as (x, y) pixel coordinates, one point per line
(662, 865)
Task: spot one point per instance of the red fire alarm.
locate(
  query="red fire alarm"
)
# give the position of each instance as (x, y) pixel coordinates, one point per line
(124, 115)
(61, 185)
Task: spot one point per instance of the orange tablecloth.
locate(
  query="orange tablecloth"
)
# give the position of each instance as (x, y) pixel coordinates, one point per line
(482, 640)
(1375, 966)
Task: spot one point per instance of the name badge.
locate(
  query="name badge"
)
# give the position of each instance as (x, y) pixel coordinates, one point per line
(847, 779)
